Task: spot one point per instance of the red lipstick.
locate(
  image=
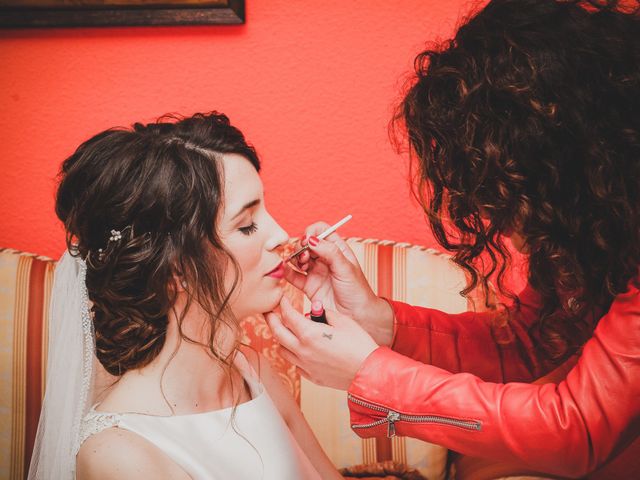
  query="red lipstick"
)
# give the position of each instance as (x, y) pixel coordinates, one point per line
(317, 312)
(277, 272)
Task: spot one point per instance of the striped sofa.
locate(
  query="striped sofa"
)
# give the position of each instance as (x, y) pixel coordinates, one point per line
(400, 271)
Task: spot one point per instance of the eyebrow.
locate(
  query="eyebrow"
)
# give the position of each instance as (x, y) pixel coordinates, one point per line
(247, 206)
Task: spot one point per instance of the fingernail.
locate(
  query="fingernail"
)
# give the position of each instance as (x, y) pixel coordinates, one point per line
(304, 240)
(313, 241)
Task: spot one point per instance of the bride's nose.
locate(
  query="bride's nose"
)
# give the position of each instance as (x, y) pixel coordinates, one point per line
(277, 235)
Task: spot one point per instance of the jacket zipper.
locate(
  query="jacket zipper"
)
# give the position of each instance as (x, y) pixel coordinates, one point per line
(393, 416)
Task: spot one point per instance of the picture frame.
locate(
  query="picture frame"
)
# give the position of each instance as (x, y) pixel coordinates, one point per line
(110, 13)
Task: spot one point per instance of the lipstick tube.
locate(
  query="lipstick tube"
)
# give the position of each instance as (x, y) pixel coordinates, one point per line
(317, 312)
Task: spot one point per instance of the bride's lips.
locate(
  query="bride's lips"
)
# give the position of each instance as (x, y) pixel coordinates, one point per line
(277, 272)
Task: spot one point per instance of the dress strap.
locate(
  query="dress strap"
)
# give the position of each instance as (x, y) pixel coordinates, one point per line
(94, 422)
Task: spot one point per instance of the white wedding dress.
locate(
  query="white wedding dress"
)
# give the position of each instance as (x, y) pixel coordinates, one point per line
(255, 444)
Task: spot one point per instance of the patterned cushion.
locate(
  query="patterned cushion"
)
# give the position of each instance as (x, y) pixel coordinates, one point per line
(398, 271)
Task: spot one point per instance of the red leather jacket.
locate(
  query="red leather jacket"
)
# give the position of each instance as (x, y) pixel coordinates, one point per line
(417, 388)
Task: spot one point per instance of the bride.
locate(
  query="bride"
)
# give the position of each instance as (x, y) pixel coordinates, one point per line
(169, 244)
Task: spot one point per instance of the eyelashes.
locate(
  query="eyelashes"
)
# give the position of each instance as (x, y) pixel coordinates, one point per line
(249, 229)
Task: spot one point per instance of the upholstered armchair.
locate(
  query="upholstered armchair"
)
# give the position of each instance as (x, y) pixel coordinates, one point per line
(399, 271)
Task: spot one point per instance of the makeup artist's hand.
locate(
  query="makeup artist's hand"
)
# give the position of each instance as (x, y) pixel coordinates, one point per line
(333, 276)
(329, 355)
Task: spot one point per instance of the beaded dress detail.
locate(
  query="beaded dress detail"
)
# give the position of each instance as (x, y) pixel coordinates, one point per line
(94, 422)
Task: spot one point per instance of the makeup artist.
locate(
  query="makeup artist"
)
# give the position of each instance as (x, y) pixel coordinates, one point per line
(524, 127)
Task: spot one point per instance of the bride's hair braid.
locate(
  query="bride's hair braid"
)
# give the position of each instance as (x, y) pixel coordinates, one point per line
(140, 206)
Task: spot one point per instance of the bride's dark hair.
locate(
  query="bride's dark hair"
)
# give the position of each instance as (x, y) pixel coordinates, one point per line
(160, 186)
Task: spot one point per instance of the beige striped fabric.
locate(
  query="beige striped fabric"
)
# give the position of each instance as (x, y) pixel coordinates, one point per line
(406, 273)
(25, 286)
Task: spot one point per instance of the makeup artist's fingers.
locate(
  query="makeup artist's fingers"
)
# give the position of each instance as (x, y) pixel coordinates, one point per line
(340, 321)
(343, 246)
(289, 356)
(298, 259)
(293, 359)
(303, 242)
(316, 229)
(293, 320)
(295, 278)
(319, 227)
(313, 230)
(301, 261)
(281, 333)
(331, 254)
(304, 258)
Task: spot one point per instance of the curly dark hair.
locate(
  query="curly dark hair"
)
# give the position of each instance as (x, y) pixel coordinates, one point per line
(528, 121)
(160, 185)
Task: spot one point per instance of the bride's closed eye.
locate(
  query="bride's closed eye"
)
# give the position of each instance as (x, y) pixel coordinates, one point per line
(248, 230)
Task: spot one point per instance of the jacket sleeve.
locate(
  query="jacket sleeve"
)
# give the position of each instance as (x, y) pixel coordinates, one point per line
(568, 428)
(471, 342)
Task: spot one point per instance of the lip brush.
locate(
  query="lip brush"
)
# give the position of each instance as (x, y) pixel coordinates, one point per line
(322, 236)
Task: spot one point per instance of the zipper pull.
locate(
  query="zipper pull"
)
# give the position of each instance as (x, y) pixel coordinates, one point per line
(392, 417)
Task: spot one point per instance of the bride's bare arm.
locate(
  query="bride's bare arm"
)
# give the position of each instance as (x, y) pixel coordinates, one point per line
(290, 411)
(116, 453)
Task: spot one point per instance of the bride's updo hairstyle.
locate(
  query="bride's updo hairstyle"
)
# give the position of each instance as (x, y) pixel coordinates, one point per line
(140, 206)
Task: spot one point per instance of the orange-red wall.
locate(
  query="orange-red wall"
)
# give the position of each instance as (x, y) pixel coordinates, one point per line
(312, 83)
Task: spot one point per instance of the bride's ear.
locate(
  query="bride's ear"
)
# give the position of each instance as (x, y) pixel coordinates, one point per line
(179, 283)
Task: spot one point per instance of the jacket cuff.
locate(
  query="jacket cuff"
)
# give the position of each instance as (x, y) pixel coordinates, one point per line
(410, 330)
(380, 371)
(368, 386)
(393, 305)
(380, 388)
(399, 317)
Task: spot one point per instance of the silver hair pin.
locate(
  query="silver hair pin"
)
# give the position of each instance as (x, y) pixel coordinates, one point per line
(116, 235)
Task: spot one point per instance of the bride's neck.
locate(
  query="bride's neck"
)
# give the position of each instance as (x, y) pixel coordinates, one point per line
(192, 378)
(188, 340)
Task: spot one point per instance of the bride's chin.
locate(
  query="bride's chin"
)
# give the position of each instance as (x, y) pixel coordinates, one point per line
(276, 299)
(270, 300)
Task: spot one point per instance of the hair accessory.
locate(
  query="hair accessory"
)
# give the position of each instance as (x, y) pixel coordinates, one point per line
(115, 236)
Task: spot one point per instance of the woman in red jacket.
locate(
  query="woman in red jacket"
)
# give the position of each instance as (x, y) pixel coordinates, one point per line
(525, 126)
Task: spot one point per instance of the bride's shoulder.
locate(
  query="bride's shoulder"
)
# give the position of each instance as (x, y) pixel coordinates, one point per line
(118, 453)
(271, 380)
(136, 394)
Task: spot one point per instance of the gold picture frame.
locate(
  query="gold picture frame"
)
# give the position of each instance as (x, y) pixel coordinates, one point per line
(109, 13)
